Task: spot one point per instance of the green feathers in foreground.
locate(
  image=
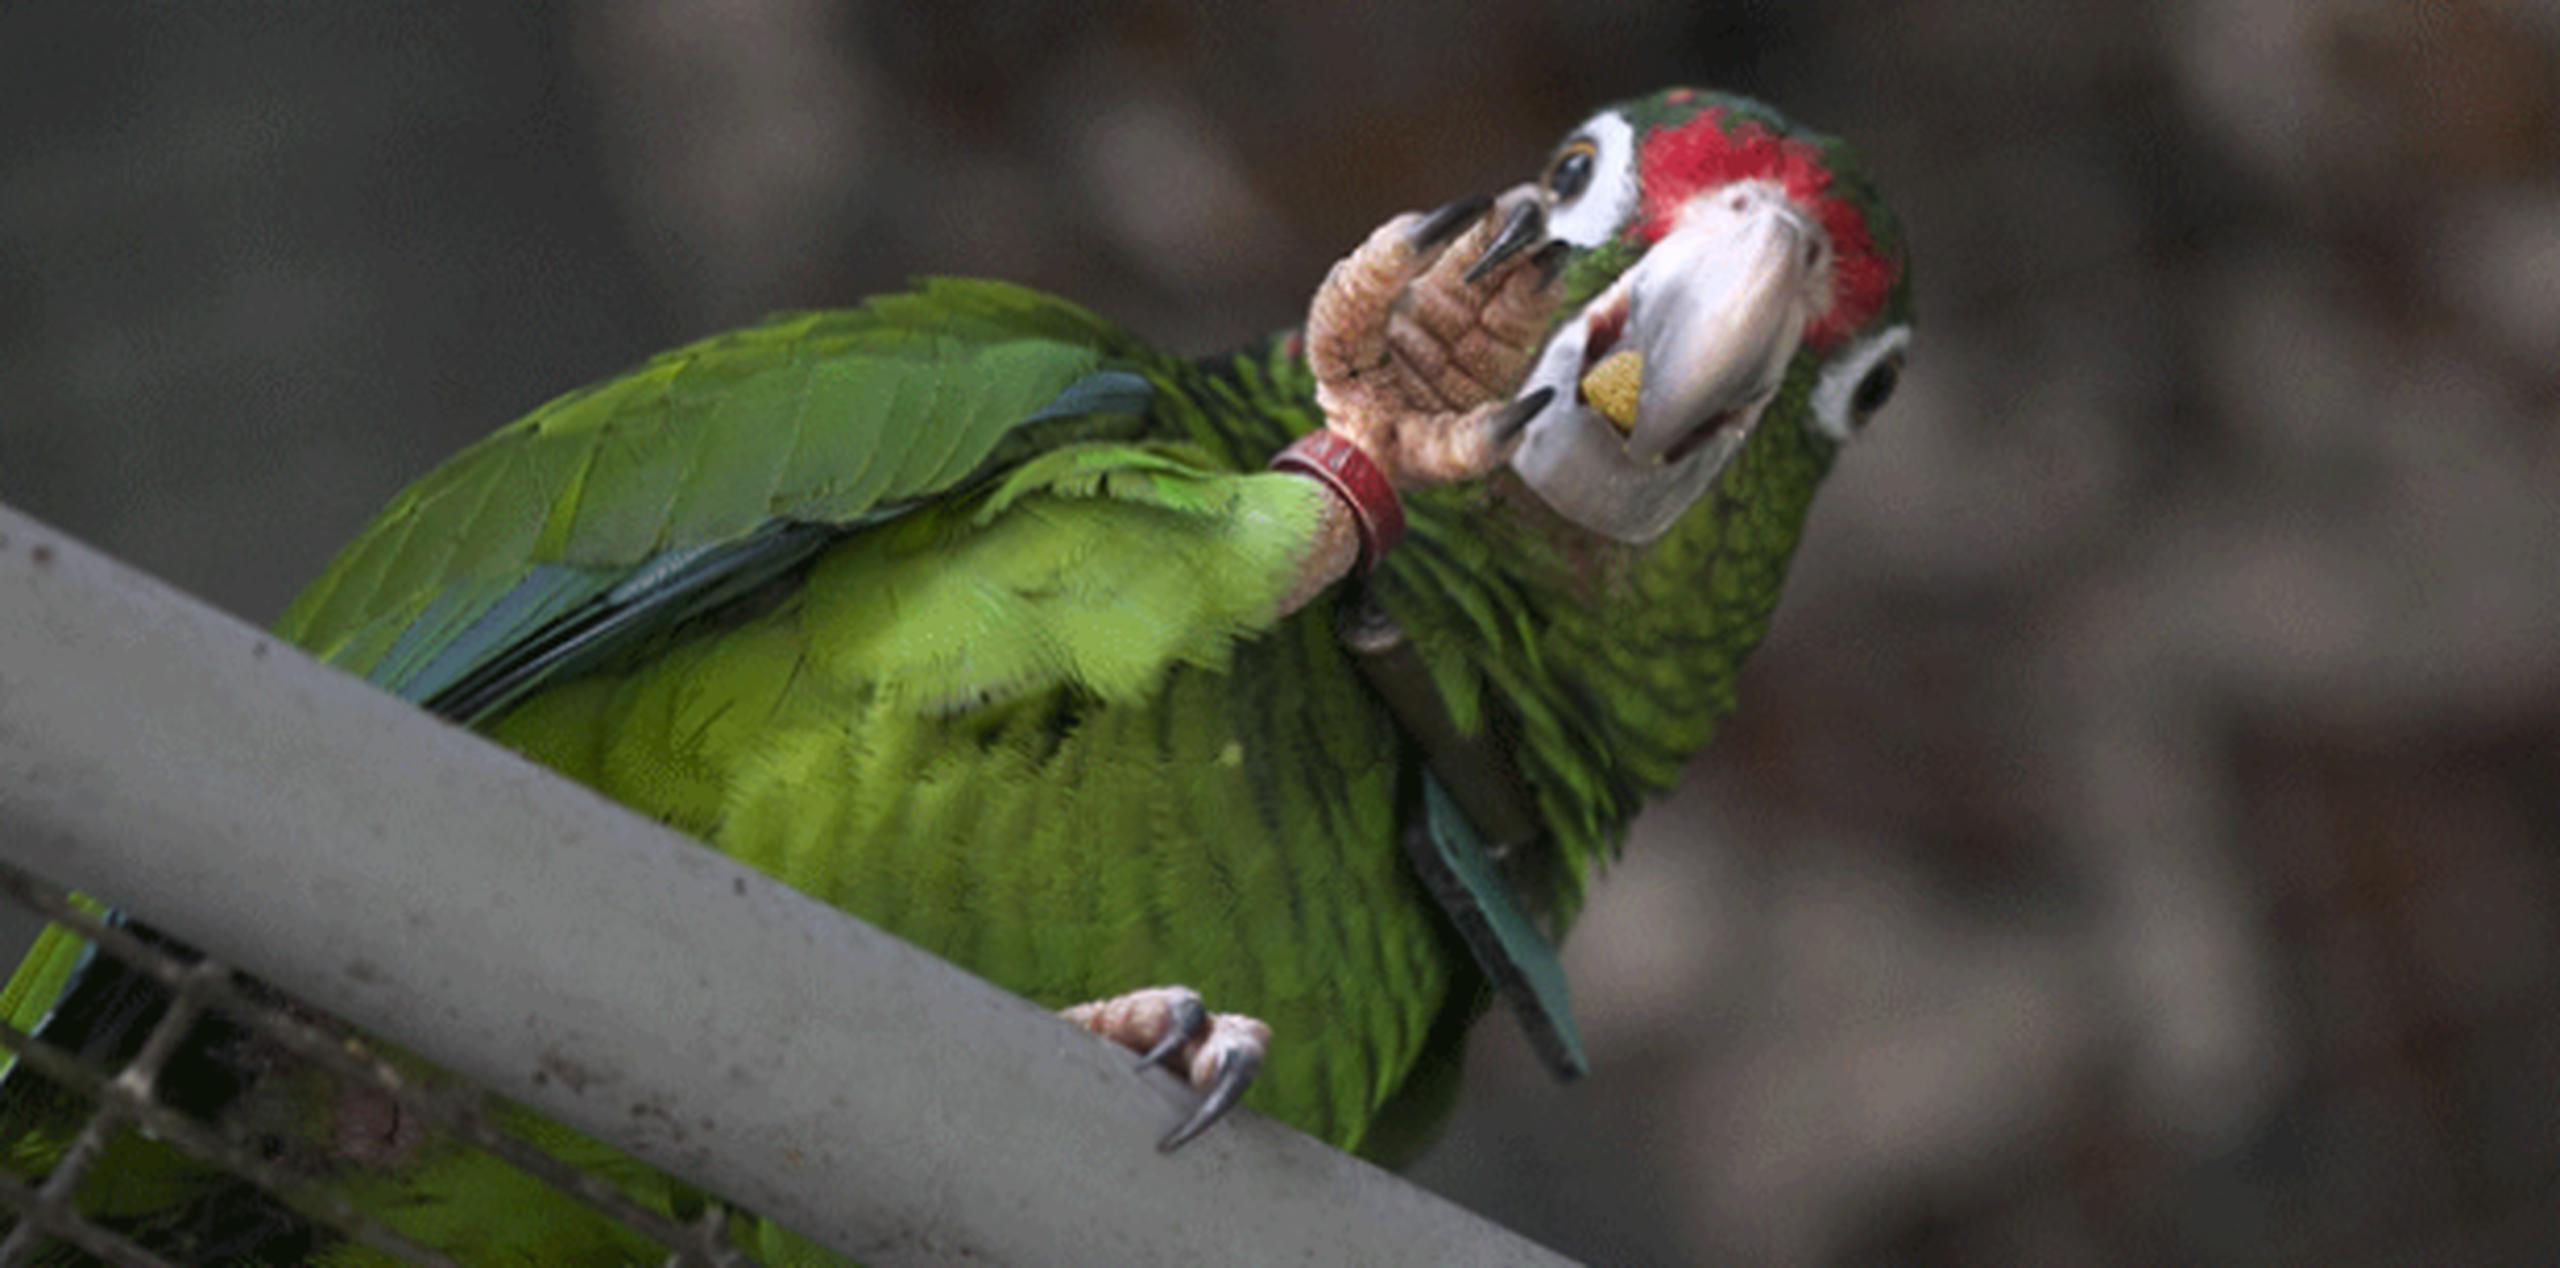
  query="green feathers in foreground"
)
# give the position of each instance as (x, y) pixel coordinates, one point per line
(963, 611)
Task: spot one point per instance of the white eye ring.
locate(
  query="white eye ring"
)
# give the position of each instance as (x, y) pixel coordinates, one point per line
(1591, 217)
(1835, 394)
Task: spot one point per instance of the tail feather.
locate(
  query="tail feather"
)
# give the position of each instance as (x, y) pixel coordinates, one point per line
(53, 967)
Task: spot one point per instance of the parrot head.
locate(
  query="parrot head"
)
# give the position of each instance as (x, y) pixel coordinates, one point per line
(1719, 256)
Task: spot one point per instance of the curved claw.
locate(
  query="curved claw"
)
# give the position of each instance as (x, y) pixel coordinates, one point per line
(1526, 225)
(1449, 220)
(1518, 414)
(1236, 1068)
(1190, 1022)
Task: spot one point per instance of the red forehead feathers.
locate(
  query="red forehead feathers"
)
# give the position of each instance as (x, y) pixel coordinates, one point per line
(1701, 154)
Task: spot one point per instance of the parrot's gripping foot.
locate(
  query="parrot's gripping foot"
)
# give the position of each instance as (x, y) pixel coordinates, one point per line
(1219, 1053)
(1418, 338)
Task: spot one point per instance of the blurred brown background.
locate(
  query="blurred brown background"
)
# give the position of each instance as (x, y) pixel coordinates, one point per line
(2137, 846)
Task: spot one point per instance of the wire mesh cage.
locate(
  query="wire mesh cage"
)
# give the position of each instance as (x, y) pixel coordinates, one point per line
(197, 1012)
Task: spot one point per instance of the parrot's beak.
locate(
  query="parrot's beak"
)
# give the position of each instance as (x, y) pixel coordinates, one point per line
(1668, 371)
(1716, 309)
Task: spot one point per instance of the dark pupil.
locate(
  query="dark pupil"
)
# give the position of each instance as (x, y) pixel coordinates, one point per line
(1573, 171)
(1875, 389)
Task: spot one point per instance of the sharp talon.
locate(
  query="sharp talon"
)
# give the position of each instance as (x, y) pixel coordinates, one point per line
(1190, 1021)
(1526, 225)
(1235, 1074)
(1444, 224)
(1517, 414)
(1549, 262)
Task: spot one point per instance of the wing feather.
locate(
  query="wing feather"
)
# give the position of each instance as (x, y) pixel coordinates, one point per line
(829, 419)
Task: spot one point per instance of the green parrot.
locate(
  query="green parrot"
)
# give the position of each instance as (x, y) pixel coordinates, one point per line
(977, 617)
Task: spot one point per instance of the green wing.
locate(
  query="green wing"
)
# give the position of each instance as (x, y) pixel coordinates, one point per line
(628, 505)
(614, 514)
(618, 511)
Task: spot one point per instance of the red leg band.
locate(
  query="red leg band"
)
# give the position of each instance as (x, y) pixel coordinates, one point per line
(1339, 465)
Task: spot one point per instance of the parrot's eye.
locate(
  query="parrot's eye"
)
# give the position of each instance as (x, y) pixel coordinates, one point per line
(1590, 184)
(1875, 389)
(1858, 382)
(1570, 174)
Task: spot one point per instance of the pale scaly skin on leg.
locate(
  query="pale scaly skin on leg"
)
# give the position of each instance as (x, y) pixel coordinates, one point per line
(1414, 360)
(1416, 339)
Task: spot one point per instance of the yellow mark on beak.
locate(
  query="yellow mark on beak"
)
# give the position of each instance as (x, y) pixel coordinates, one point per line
(1612, 387)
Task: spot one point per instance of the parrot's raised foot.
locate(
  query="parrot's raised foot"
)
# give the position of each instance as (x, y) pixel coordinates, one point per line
(1218, 1053)
(1419, 337)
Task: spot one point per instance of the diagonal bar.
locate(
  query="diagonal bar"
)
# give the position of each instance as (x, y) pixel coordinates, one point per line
(561, 951)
